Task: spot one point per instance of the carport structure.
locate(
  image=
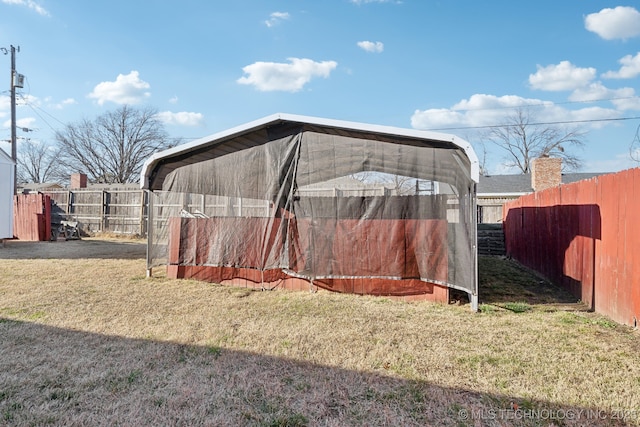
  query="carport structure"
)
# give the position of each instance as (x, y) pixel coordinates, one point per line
(302, 202)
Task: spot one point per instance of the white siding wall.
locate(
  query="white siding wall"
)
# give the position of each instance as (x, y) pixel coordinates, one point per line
(6, 198)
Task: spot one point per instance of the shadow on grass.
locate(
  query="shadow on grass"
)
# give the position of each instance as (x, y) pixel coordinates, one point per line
(53, 376)
(502, 281)
(90, 248)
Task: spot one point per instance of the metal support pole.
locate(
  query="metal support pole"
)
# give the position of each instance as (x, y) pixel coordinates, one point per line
(474, 236)
(150, 230)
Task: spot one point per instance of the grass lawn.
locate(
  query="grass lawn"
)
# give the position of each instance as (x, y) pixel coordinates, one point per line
(86, 339)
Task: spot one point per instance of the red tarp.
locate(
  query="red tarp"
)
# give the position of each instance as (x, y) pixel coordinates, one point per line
(397, 252)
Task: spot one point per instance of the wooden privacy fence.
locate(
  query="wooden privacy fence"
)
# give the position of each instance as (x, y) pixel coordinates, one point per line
(32, 217)
(125, 211)
(585, 237)
(116, 211)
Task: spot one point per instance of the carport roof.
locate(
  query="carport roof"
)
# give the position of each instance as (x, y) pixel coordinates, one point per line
(160, 164)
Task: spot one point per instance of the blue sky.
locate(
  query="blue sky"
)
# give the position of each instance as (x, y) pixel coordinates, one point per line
(207, 66)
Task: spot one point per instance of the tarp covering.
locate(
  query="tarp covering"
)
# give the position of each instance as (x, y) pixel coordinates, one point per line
(271, 198)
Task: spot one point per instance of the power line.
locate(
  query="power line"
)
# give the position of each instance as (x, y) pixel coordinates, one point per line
(34, 107)
(562, 122)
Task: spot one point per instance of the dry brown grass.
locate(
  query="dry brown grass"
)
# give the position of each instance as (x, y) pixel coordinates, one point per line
(86, 339)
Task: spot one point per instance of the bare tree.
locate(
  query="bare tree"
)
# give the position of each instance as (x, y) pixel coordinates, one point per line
(112, 148)
(524, 140)
(634, 149)
(400, 185)
(482, 158)
(38, 162)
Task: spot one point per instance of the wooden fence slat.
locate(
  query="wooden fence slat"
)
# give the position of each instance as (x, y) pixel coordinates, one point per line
(32, 217)
(584, 236)
(634, 245)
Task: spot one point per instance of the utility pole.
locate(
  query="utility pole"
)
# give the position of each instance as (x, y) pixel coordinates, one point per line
(14, 139)
(16, 81)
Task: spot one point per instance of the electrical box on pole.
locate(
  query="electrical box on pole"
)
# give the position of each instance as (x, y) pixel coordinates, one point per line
(18, 80)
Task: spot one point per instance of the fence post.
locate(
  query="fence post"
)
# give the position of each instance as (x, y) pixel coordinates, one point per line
(68, 206)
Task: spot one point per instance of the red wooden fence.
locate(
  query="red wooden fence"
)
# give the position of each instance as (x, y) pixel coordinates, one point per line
(584, 236)
(32, 217)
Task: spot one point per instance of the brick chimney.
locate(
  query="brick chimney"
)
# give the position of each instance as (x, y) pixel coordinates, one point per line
(78, 180)
(546, 172)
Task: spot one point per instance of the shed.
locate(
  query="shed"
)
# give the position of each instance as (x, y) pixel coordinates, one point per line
(258, 204)
(7, 176)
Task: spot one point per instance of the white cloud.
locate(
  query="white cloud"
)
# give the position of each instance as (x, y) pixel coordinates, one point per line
(288, 77)
(623, 22)
(592, 92)
(64, 103)
(376, 47)
(31, 4)
(5, 105)
(627, 100)
(182, 118)
(173, 100)
(630, 68)
(276, 17)
(26, 99)
(563, 76)
(620, 162)
(594, 117)
(623, 98)
(481, 111)
(127, 89)
(26, 122)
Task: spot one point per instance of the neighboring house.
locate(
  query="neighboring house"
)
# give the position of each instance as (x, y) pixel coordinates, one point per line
(495, 190)
(7, 170)
(110, 187)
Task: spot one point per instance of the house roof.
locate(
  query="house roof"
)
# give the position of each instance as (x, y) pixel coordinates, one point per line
(161, 164)
(31, 186)
(5, 158)
(521, 183)
(111, 186)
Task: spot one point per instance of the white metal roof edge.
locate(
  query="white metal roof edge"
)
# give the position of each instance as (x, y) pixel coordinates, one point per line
(387, 130)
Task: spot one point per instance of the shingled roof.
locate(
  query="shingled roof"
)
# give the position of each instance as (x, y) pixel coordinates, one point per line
(521, 184)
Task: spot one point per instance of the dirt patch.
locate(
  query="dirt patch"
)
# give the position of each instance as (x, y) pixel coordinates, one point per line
(91, 248)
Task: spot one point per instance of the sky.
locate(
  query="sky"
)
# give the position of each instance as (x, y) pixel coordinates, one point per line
(455, 66)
